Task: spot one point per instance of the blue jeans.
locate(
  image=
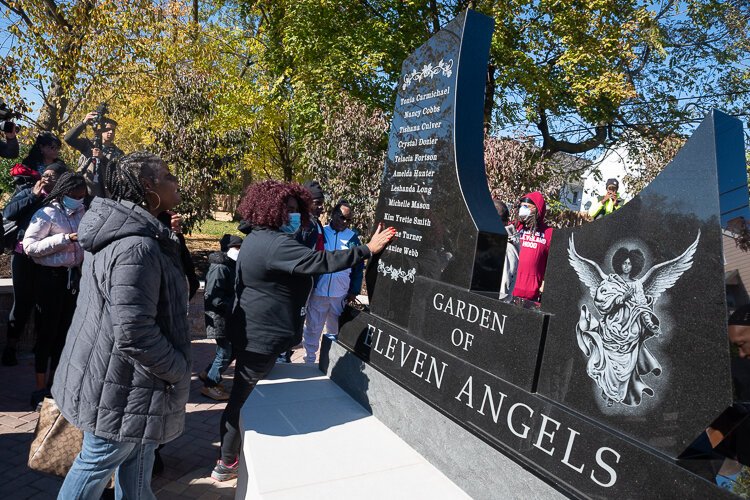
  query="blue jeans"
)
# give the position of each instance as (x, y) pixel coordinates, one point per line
(220, 364)
(99, 458)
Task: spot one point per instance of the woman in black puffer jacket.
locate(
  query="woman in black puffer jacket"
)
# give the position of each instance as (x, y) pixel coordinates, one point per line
(124, 376)
(274, 278)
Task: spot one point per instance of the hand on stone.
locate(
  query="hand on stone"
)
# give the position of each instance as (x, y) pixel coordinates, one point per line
(381, 238)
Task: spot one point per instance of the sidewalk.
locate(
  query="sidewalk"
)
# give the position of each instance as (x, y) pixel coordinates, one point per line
(188, 460)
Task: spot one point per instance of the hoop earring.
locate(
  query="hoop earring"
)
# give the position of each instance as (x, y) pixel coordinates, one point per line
(157, 195)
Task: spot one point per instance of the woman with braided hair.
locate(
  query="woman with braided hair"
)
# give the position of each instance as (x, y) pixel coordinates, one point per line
(51, 240)
(124, 376)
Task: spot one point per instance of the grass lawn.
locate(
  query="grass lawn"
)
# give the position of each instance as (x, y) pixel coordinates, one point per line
(215, 229)
(205, 239)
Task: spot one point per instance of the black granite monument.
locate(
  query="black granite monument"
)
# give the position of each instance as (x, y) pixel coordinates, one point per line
(603, 389)
(434, 189)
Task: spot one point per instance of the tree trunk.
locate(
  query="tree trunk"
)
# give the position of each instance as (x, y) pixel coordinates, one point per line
(54, 107)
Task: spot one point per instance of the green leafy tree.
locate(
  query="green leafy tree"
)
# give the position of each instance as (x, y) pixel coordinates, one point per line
(69, 51)
(204, 159)
(347, 158)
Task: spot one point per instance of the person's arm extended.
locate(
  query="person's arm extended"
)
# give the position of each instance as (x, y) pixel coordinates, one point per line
(133, 302)
(293, 257)
(81, 144)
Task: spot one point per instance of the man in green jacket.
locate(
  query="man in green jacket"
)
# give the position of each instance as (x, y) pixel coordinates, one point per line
(607, 203)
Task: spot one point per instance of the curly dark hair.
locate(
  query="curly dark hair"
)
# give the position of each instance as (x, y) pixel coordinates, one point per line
(66, 184)
(264, 203)
(125, 174)
(636, 260)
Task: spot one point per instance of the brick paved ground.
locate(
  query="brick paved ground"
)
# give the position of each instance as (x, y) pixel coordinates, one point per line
(188, 460)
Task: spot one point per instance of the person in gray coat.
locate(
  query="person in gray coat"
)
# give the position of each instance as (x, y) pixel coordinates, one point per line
(124, 375)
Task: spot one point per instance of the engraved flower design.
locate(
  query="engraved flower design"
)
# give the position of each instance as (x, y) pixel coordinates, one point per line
(428, 71)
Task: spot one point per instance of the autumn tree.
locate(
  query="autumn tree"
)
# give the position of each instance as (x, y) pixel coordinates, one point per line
(69, 51)
(347, 158)
(203, 158)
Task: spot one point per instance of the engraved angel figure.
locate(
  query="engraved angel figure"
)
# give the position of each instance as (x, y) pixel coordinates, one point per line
(615, 342)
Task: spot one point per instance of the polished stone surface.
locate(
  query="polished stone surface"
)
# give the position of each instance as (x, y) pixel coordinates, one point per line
(434, 190)
(626, 363)
(579, 457)
(495, 336)
(472, 464)
(604, 356)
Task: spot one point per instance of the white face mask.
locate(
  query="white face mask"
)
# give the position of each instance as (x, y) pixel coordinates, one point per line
(233, 253)
(524, 211)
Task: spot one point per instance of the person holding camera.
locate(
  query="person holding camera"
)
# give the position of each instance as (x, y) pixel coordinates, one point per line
(9, 147)
(95, 154)
(608, 203)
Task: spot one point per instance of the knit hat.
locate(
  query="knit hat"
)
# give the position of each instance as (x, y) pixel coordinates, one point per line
(57, 167)
(234, 241)
(613, 182)
(314, 188)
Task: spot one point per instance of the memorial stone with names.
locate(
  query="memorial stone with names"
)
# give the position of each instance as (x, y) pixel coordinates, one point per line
(432, 189)
(546, 386)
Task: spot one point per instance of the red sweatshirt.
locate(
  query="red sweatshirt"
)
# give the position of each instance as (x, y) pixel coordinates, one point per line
(534, 249)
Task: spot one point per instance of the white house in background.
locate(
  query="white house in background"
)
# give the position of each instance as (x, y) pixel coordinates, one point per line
(614, 163)
(572, 189)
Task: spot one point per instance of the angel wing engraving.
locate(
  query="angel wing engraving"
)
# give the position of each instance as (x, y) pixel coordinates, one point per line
(588, 271)
(614, 341)
(662, 277)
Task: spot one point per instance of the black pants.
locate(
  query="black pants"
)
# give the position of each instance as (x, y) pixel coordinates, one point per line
(55, 305)
(249, 369)
(22, 268)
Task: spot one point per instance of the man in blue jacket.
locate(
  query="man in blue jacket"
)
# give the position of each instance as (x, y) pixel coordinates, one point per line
(332, 291)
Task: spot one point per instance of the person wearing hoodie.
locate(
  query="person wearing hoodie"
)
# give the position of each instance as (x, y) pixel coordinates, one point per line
(51, 240)
(274, 279)
(218, 299)
(534, 244)
(21, 207)
(124, 375)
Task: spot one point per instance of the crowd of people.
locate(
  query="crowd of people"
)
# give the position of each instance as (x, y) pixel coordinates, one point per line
(98, 256)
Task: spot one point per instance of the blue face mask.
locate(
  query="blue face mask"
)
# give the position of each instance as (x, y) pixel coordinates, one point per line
(295, 221)
(71, 203)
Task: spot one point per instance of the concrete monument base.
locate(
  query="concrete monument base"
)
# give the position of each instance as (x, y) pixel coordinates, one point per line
(480, 470)
(304, 437)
